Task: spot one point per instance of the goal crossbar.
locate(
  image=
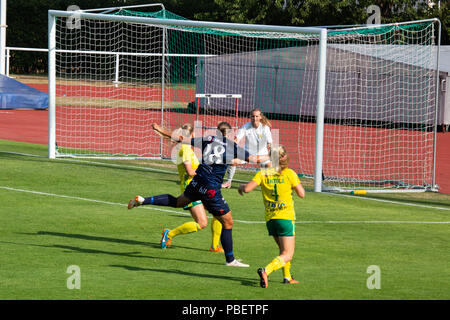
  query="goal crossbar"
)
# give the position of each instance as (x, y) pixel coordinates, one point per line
(185, 23)
(107, 10)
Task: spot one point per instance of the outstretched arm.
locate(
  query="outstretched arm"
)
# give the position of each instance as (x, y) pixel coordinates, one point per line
(243, 154)
(246, 188)
(165, 133)
(258, 159)
(189, 170)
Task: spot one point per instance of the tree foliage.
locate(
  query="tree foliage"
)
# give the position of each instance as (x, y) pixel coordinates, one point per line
(27, 19)
(27, 22)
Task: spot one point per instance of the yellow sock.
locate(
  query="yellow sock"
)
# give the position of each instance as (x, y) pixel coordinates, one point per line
(185, 228)
(216, 229)
(276, 264)
(287, 271)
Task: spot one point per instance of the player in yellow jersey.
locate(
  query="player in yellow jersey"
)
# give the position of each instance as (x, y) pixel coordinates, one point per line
(187, 163)
(277, 184)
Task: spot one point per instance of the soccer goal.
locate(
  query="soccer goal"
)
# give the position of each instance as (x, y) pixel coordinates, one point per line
(355, 108)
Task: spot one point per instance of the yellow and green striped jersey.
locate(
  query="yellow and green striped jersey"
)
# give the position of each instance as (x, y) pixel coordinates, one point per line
(185, 154)
(277, 192)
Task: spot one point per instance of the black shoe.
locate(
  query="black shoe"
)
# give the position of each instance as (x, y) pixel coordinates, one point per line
(263, 282)
(292, 281)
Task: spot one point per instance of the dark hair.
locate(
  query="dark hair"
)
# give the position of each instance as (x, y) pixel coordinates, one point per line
(223, 127)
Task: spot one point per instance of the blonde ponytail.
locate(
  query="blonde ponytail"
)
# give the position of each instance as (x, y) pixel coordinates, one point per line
(279, 158)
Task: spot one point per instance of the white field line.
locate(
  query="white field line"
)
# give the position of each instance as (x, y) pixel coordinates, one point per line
(172, 172)
(392, 202)
(185, 213)
(23, 154)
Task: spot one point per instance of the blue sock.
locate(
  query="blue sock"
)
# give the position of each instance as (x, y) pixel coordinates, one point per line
(162, 200)
(226, 239)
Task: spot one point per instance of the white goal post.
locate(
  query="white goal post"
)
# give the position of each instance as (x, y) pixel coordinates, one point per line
(356, 108)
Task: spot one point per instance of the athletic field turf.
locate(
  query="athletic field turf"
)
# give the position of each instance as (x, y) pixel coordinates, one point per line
(60, 213)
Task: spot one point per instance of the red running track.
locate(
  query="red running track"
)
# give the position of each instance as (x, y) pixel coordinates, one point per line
(141, 94)
(31, 126)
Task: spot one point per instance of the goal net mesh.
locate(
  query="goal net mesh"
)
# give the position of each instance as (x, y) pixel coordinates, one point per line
(114, 79)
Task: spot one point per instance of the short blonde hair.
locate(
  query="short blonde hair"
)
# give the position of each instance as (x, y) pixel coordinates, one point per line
(185, 131)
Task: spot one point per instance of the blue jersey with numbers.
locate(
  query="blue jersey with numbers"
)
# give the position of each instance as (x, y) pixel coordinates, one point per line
(217, 154)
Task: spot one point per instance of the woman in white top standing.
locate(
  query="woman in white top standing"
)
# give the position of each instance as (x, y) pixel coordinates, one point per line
(258, 140)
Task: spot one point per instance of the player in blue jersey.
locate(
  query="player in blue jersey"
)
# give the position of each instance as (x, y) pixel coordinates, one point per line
(218, 152)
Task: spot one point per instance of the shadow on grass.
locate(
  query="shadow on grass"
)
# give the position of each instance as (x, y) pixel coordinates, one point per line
(244, 281)
(133, 254)
(112, 240)
(116, 164)
(89, 237)
(445, 202)
(12, 155)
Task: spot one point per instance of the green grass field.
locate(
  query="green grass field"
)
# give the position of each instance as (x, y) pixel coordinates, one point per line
(59, 213)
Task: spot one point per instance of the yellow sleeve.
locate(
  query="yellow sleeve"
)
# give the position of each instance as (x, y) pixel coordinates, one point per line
(293, 178)
(257, 178)
(186, 153)
(180, 156)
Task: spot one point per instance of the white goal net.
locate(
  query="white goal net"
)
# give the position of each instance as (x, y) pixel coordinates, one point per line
(114, 75)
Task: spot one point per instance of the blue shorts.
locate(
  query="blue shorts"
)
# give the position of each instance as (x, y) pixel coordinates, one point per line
(211, 198)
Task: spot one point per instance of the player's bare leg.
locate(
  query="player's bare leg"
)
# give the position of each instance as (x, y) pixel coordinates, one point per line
(200, 221)
(198, 213)
(287, 247)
